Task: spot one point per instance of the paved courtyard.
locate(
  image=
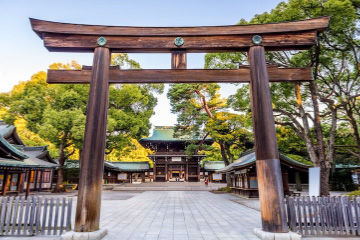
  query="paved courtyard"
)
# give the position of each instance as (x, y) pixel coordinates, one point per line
(175, 215)
(179, 216)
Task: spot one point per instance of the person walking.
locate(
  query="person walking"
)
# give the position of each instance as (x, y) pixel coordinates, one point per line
(206, 182)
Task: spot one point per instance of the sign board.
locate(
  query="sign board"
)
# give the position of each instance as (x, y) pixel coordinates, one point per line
(355, 178)
(176, 159)
(122, 176)
(314, 181)
(217, 176)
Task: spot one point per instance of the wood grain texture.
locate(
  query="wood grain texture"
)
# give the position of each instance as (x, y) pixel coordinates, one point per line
(178, 60)
(41, 26)
(87, 216)
(241, 75)
(193, 44)
(270, 184)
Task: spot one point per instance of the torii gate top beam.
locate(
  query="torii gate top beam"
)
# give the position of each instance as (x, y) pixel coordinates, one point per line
(65, 37)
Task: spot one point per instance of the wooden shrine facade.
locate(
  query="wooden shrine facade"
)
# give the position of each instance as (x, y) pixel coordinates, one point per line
(23, 168)
(253, 39)
(244, 175)
(171, 163)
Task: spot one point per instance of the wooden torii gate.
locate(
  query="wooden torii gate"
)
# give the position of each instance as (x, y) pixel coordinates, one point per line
(254, 39)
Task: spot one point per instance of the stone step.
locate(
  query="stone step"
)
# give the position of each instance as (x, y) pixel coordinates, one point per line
(165, 188)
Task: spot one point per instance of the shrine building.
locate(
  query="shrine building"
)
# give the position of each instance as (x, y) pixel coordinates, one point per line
(23, 168)
(171, 163)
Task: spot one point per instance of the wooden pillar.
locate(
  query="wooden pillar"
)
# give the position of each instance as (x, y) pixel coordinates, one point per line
(28, 185)
(5, 182)
(166, 169)
(187, 170)
(298, 181)
(19, 184)
(35, 180)
(154, 172)
(51, 177)
(285, 178)
(178, 60)
(143, 177)
(198, 170)
(87, 218)
(41, 180)
(271, 192)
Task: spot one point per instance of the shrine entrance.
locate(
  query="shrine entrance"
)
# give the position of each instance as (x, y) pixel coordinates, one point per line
(176, 173)
(253, 39)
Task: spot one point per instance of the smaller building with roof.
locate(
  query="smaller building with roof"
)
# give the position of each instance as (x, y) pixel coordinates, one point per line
(22, 167)
(244, 176)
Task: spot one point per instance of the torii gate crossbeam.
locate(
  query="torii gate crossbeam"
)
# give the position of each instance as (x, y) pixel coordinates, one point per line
(254, 39)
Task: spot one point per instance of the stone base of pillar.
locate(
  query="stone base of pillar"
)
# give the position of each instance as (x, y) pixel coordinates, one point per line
(96, 235)
(276, 236)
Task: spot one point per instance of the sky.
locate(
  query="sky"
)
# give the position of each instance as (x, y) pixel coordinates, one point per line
(22, 53)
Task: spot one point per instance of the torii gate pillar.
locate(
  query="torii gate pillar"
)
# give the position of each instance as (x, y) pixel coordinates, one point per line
(269, 177)
(87, 216)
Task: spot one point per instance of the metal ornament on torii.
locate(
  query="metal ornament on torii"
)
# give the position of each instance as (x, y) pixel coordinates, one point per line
(254, 39)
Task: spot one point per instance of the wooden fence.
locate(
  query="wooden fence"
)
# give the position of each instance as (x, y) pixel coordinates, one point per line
(34, 216)
(323, 215)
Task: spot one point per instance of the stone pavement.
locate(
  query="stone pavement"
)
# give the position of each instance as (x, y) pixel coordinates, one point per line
(173, 215)
(179, 216)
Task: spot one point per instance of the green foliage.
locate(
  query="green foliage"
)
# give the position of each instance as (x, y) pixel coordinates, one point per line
(336, 70)
(200, 111)
(188, 101)
(341, 180)
(353, 194)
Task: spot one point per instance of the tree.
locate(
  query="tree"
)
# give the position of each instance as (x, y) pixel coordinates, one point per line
(336, 75)
(198, 107)
(232, 132)
(58, 112)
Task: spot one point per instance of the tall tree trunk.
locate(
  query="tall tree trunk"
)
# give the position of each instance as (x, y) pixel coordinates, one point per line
(324, 164)
(226, 161)
(306, 136)
(60, 175)
(354, 125)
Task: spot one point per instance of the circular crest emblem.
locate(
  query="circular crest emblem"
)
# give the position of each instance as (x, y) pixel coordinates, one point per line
(101, 41)
(256, 39)
(179, 41)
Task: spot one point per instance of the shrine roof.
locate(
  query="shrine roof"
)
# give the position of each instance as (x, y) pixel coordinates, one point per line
(248, 158)
(213, 165)
(11, 150)
(7, 131)
(166, 133)
(27, 163)
(131, 166)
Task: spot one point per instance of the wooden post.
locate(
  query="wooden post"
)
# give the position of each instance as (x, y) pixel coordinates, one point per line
(5, 182)
(166, 169)
(266, 149)
(154, 168)
(298, 181)
(187, 170)
(198, 170)
(28, 184)
(178, 60)
(87, 218)
(41, 180)
(19, 183)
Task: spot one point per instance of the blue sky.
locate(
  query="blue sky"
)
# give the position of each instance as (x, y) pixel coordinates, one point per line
(22, 53)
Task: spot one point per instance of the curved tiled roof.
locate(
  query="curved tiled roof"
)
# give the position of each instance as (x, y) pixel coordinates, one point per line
(166, 133)
(131, 166)
(213, 165)
(248, 158)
